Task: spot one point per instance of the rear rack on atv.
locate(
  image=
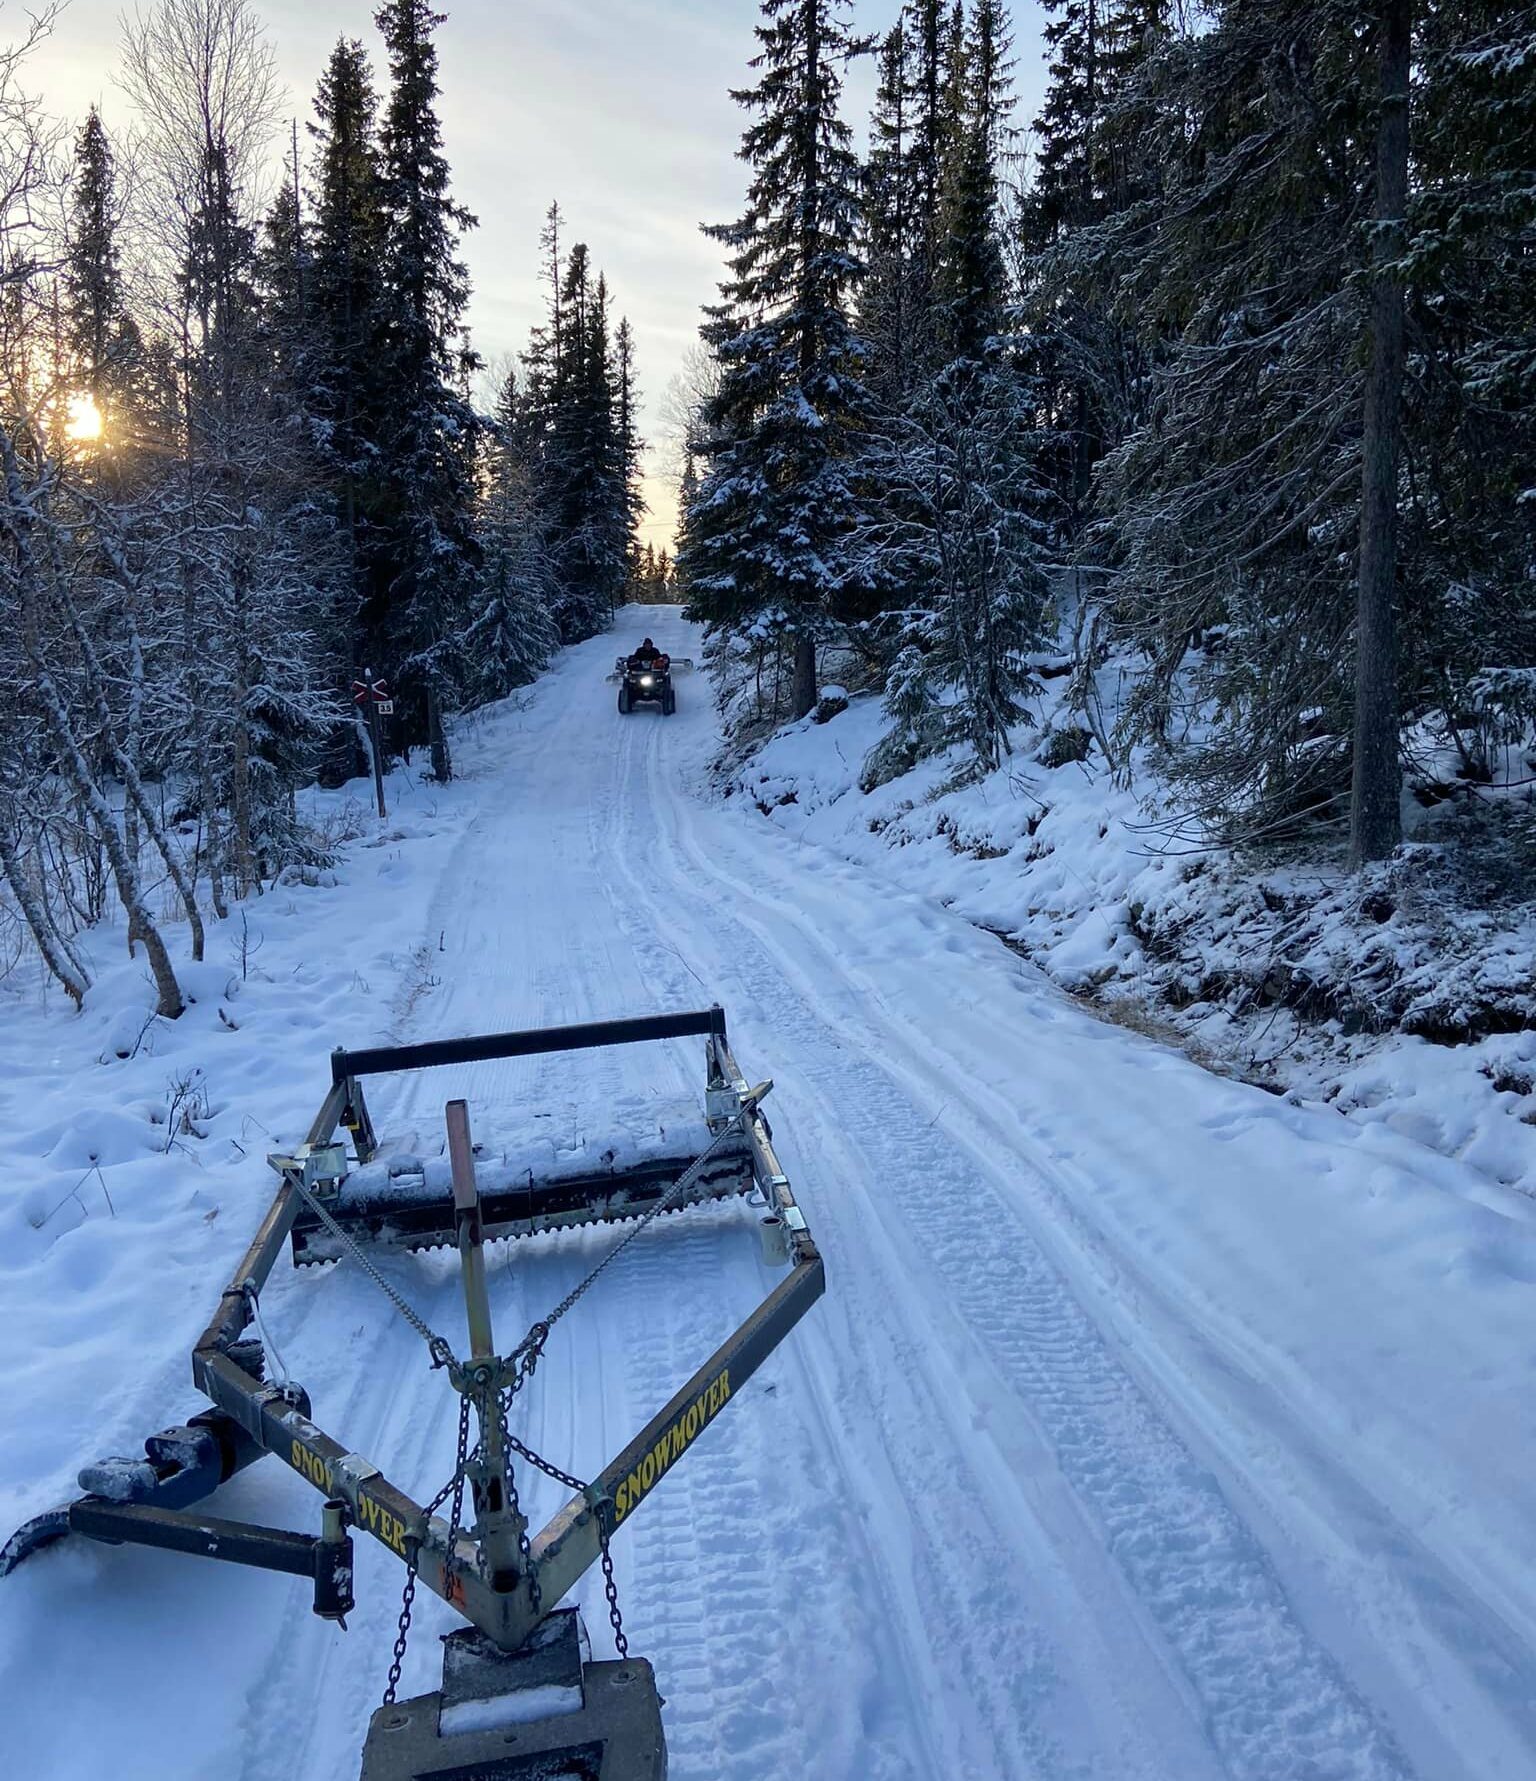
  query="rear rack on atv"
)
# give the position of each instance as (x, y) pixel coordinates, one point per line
(504, 1583)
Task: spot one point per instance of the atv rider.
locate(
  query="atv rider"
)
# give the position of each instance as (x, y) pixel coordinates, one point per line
(646, 656)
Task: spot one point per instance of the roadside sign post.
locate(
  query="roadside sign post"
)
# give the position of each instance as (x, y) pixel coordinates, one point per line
(373, 696)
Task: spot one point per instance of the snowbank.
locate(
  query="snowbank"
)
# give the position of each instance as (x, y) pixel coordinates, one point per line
(1405, 999)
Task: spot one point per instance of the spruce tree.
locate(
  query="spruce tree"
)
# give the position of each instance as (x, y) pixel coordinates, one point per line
(285, 274)
(932, 34)
(542, 359)
(343, 392)
(687, 499)
(913, 136)
(512, 631)
(1236, 503)
(604, 464)
(1469, 531)
(769, 536)
(1098, 161)
(971, 279)
(1062, 194)
(429, 428)
(631, 445)
(583, 460)
(890, 236)
(962, 522)
(100, 335)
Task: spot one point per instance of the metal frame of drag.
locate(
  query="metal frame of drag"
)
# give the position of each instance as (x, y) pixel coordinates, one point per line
(502, 1581)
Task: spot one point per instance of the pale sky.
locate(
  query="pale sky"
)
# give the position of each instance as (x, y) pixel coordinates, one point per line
(618, 109)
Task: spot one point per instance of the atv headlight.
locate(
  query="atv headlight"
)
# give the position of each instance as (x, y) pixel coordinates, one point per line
(646, 680)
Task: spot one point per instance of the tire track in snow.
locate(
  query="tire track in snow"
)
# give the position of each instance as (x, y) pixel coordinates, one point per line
(1421, 1631)
(371, 1384)
(728, 1581)
(1274, 1701)
(974, 1709)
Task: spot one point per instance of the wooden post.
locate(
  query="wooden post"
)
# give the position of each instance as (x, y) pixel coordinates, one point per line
(366, 692)
(375, 733)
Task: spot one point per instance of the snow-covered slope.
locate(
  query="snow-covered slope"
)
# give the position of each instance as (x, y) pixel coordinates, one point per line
(1406, 998)
(1152, 1428)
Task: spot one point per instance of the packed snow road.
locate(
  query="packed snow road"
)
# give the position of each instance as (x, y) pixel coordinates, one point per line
(1151, 1430)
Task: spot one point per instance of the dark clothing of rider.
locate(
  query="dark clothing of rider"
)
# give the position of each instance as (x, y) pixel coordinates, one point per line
(647, 655)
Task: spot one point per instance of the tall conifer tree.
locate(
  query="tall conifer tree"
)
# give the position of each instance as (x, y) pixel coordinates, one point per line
(343, 392)
(972, 281)
(962, 520)
(770, 534)
(430, 429)
(631, 446)
(888, 300)
(99, 332)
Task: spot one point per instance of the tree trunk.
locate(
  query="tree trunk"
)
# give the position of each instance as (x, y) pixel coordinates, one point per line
(129, 751)
(244, 853)
(247, 872)
(75, 767)
(1376, 795)
(803, 688)
(442, 762)
(136, 805)
(72, 762)
(63, 967)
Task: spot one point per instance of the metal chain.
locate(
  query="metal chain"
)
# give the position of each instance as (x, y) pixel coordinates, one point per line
(610, 1587)
(523, 1360)
(455, 1488)
(611, 1590)
(524, 1545)
(685, 1180)
(442, 1354)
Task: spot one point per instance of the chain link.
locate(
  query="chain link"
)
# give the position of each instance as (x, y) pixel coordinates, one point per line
(524, 1545)
(571, 1482)
(611, 1590)
(442, 1354)
(683, 1182)
(455, 1488)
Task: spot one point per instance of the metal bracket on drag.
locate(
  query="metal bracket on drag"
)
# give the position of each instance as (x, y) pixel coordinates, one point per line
(321, 1168)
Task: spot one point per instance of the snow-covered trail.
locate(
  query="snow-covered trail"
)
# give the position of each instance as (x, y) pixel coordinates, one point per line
(1150, 1430)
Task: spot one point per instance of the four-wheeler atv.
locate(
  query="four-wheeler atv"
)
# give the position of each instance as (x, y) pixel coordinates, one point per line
(645, 681)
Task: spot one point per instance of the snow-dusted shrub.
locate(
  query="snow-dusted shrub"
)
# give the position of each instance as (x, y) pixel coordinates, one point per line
(1065, 744)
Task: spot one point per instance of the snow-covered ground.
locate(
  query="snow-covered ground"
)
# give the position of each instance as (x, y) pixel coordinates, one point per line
(1153, 1428)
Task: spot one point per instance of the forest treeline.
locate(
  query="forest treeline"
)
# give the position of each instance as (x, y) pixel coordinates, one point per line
(245, 465)
(1244, 331)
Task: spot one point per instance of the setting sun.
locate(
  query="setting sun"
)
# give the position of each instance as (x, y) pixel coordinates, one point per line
(84, 422)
